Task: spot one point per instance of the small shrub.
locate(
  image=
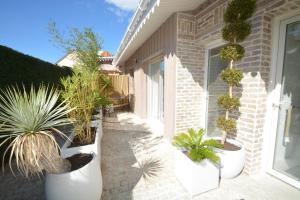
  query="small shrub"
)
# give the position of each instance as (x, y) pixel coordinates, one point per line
(233, 52)
(197, 149)
(227, 125)
(232, 76)
(229, 103)
(236, 32)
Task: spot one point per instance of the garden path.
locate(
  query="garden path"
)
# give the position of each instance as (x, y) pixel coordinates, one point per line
(137, 164)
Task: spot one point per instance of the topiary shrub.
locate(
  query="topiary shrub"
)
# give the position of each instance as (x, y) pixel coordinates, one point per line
(236, 29)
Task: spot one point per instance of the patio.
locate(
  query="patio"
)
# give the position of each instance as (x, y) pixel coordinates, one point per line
(137, 164)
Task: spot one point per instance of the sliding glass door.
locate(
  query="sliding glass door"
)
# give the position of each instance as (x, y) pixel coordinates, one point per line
(156, 91)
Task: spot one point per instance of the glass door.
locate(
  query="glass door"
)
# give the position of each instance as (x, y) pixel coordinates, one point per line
(286, 157)
(156, 91)
(215, 88)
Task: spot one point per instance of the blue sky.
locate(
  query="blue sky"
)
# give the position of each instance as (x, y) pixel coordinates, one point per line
(23, 23)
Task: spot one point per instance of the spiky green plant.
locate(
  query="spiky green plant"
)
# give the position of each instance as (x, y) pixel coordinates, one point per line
(28, 120)
(196, 149)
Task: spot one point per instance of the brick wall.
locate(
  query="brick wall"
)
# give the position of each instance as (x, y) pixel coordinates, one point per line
(189, 76)
(202, 26)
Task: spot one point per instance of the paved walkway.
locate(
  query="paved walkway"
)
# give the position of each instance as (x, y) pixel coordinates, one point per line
(138, 164)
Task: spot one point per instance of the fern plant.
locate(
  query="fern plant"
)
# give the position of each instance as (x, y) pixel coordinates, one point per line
(196, 149)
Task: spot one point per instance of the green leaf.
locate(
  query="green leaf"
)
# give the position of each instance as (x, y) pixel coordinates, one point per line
(197, 150)
(229, 103)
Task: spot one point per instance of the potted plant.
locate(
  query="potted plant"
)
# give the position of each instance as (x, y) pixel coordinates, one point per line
(31, 119)
(196, 163)
(80, 94)
(82, 90)
(236, 29)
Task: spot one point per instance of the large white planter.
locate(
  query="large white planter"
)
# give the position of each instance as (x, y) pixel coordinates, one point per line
(95, 147)
(196, 177)
(232, 162)
(81, 184)
(84, 183)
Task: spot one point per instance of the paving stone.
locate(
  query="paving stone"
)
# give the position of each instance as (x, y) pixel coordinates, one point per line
(134, 156)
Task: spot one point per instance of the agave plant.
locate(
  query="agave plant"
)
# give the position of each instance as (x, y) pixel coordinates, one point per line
(28, 120)
(197, 150)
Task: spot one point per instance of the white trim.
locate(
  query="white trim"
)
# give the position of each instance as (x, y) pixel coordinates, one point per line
(208, 47)
(270, 128)
(146, 21)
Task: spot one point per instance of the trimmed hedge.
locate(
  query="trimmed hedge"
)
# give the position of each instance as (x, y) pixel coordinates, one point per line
(19, 69)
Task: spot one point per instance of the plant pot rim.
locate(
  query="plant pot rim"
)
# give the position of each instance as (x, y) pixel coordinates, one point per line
(74, 171)
(73, 134)
(231, 141)
(195, 162)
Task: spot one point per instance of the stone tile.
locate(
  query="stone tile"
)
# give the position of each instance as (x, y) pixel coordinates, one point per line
(138, 164)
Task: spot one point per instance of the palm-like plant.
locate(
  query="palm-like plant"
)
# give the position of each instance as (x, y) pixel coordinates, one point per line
(28, 120)
(197, 150)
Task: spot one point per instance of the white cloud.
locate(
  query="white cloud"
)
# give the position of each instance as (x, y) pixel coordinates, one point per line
(128, 5)
(121, 14)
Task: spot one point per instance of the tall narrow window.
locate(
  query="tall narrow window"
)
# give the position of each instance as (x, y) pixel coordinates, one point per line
(156, 91)
(215, 88)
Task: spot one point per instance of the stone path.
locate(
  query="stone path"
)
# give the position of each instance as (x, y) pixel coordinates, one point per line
(137, 164)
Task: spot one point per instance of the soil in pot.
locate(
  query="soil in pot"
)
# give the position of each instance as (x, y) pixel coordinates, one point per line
(79, 160)
(76, 142)
(230, 147)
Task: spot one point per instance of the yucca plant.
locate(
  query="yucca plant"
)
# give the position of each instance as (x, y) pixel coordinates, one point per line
(29, 120)
(196, 149)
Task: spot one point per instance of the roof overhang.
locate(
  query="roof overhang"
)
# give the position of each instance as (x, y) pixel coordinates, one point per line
(149, 16)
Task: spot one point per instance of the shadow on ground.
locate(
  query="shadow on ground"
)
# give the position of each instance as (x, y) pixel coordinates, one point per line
(127, 158)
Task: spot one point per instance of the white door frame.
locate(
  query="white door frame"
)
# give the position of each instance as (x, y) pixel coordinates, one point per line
(208, 47)
(273, 99)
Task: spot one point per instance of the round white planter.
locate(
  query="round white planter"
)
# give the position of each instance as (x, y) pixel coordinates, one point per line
(81, 184)
(232, 162)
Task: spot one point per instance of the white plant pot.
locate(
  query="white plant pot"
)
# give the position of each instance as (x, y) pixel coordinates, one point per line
(232, 162)
(95, 147)
(81, 184)
(196, 177)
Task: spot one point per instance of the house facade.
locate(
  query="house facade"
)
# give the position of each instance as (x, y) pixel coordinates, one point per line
(171, 51)
(105, 62)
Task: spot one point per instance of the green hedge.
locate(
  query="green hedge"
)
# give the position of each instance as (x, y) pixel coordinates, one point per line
(19, 69)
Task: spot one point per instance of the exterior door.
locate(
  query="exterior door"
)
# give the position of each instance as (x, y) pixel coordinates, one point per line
(286, 152)
(156, 91)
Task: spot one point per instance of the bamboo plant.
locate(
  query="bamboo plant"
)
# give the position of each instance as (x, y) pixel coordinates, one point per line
(87, 88)
(81, 94)
(236, 29)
